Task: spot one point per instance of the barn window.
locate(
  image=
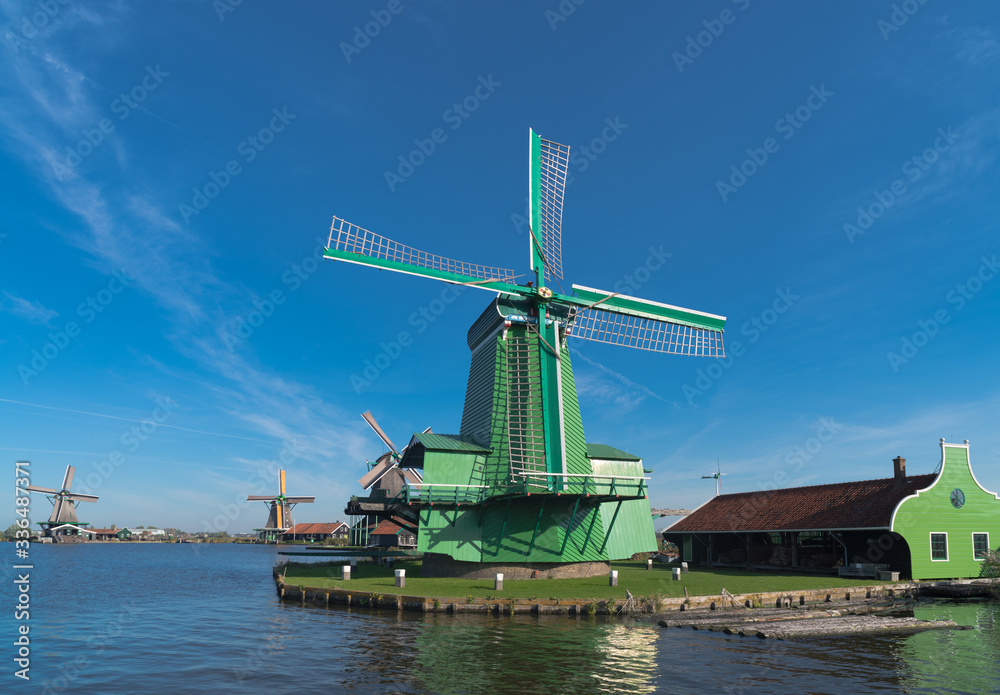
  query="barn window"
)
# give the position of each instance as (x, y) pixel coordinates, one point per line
(939, 546)
(980, 545)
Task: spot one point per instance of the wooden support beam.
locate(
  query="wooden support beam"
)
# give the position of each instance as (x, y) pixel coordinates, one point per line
(569, 526)
(503, 526)
(538, 523)
(610, 526)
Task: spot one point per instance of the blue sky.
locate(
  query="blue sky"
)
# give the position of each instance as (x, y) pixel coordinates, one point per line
(825, 176)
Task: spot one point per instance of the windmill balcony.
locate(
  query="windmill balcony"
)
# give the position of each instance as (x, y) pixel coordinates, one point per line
(600, 487)
(603, 487)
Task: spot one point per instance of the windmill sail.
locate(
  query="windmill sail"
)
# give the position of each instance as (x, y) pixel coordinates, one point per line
(370, 419)
(608, 317)
(551, 184)
(349, 242)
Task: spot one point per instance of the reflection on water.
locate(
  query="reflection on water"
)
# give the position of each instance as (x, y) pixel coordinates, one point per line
(165, 619)
(962, 661)
(545, 654)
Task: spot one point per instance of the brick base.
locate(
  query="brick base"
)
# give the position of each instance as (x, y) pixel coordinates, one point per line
(437, 565)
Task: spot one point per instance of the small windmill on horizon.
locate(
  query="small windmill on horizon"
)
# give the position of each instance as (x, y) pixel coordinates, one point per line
(63, 523)
(279, 519)
(717, 475)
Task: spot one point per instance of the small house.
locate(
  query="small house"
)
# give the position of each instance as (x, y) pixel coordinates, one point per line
(313, 533)
(389, 534)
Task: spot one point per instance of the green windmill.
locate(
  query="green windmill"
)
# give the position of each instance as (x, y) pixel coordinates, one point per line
(519, 484)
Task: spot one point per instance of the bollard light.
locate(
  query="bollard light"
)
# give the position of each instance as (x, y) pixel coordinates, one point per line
(677, 573)
(498, 582)
(401, 578)
(347, 572)
(613, 578)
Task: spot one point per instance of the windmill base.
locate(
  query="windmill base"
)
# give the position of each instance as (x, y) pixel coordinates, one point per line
(438, 565)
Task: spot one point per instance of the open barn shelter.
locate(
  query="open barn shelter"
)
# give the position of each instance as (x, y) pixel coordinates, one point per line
(938, 525)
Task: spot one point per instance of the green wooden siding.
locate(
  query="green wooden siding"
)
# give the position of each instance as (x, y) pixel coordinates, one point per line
(633, 530)
(453, 532)
(576, 445)
(519, 529)
(931, 511)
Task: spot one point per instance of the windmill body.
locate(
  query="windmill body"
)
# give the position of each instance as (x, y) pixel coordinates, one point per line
(520, 483)
(279, 517)
(63, 524)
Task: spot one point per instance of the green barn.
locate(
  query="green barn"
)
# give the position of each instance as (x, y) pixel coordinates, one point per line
(938, 525)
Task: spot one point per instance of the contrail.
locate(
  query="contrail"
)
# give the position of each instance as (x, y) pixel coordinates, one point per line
(128, 419)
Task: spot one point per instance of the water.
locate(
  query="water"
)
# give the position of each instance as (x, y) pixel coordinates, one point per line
(179, 619)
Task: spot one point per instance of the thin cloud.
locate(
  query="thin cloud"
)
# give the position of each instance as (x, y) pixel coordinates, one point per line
(27, 309)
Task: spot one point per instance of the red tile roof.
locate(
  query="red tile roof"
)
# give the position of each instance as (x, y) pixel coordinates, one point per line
(862, 504)
(386, 528)
(300, 529)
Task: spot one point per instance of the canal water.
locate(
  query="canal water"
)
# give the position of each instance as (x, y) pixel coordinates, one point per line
(179, 619)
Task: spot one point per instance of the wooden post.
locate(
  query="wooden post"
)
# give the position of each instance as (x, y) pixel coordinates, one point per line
(498, 582)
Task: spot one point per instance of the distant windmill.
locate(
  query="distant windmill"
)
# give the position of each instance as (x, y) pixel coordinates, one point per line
(384, 481)
(63, 522)
(280, 518)
(718, 474)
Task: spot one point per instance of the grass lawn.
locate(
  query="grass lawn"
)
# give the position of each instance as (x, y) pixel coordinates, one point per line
(631, 575)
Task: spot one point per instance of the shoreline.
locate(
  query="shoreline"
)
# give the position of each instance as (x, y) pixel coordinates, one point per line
(855, 595)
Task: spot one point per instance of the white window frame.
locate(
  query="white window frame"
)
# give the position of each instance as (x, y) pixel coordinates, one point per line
(947, 554)
(980, 533)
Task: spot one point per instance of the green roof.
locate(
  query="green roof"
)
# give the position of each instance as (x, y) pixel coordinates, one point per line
(609, 453)
(449, 442)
